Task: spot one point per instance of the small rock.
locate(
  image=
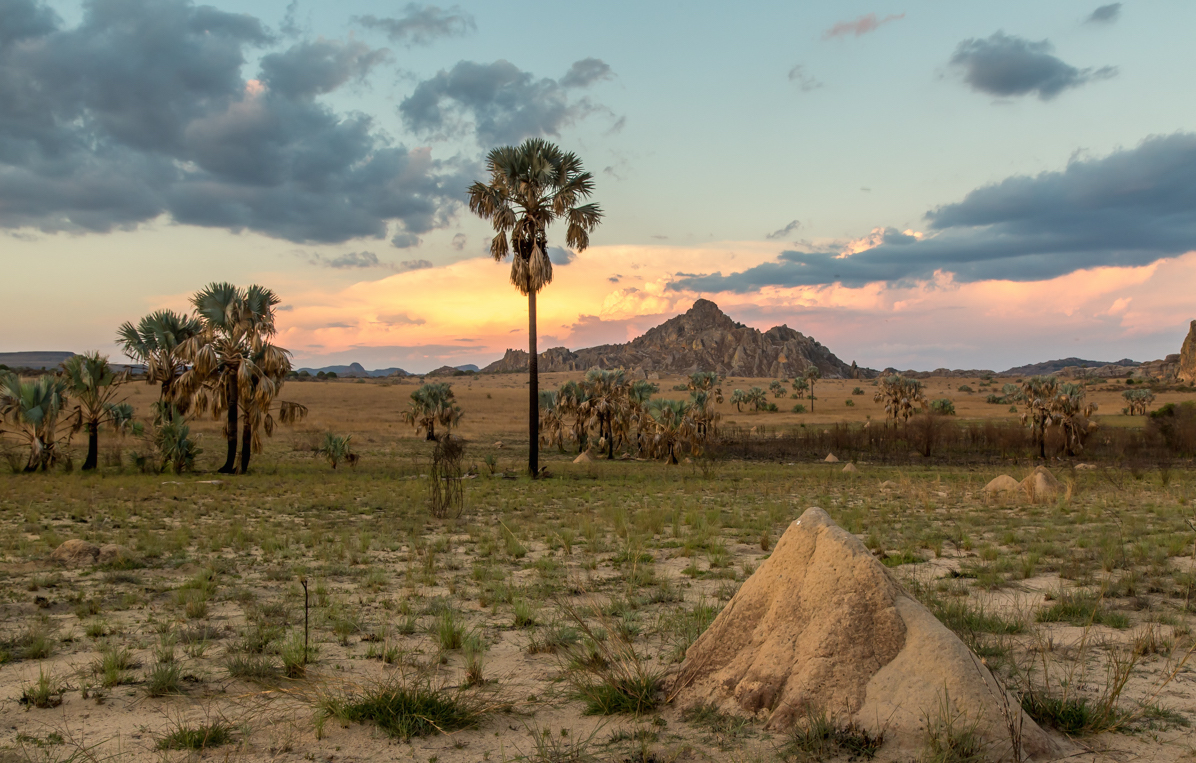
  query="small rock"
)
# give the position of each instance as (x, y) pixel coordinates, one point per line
(888, 485)
(76, 553)
(1085, 467)
(498, 444)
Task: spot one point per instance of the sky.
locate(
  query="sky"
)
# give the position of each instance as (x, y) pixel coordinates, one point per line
(916, 185)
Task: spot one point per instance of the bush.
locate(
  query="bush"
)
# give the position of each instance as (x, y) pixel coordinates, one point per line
(198, 738)
(405, 709)
(799, 408)
(849, 403)
(943, 406)
(857, 391)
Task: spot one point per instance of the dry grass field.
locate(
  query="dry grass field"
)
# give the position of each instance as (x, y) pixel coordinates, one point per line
(541, 624)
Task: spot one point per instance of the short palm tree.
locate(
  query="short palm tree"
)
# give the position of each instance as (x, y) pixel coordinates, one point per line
(531, 186)
(32, 408)
(93, 385)
(156, 341)
(433, 404)
(674, 428)
(232, 355)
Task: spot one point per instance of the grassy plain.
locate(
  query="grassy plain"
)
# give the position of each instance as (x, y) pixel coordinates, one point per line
(540, 624)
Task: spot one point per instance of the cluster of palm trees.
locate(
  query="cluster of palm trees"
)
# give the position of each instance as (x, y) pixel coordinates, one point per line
(607, 411)
(1050, 403)
(1137, 400)
(43, 414)
(756, 398)
(220, 358)
(903, 397)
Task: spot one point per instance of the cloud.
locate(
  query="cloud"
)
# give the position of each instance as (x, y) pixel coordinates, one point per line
(1006, 65)
(422, 24)
(400, 319)
(1105, 14)
(561, 256)
(415, 265)
(405, 240)
(502, 103)
(804, 81)
(313, 68)
(352, 260)
(792, 226)
(1128, 209)
(459, 241)
(859, 27)
(140, 110)
(586, 72)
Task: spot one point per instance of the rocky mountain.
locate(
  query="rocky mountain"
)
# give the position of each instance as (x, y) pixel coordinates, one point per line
(1052, 366)
(704, 338)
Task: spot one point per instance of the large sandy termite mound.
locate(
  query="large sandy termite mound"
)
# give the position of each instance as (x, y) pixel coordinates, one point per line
(823, 626)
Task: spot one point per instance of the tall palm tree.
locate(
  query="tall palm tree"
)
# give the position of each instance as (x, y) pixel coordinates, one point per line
(156, 341)
(232, 354)
(92, 383)
(33, 408)
(531, 186)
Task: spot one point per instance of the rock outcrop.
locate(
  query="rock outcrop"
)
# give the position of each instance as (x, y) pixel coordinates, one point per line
(823, 626)
(702, 339)
(1186, 366)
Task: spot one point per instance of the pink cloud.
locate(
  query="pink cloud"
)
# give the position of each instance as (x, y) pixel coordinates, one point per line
(861, 26)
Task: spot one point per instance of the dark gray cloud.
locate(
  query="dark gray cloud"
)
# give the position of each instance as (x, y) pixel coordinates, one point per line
(558, 255)
(1130, 208)
(1006, 65)
(586, 72)
(415, 265)
(459, 241)
(141, 110)
(317, 67)
(422, 24)
(504, 103)
(790, 227)
(352, 260)
(1105, 14)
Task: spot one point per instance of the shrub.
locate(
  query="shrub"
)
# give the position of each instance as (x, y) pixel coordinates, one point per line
(799, 408)
(857, 390)
(405, 709)
(943, 406)
(818, 737)
(201, 737)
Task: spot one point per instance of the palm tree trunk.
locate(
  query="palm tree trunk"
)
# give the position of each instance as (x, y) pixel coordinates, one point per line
(246, 444)
(93, 446)
(533, 388)
(230, 463)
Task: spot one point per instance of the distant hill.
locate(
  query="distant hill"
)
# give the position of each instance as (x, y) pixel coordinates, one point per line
(33, 359)
(1054, 366)
(704, 338)
(356, 370)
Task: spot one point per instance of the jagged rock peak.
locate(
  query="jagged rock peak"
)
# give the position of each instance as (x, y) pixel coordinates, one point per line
(703, 338)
